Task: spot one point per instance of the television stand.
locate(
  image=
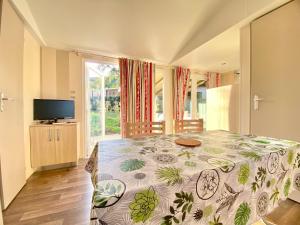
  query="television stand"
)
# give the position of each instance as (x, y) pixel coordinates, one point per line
(53, 144)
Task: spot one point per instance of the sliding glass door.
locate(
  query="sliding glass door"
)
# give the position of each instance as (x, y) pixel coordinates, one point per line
(102, 102)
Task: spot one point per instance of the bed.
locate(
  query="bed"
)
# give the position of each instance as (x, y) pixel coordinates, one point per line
(230, 179)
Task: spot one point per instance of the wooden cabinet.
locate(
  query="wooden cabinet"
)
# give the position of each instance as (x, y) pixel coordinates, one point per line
(54, 144)
(66, 147)
(42, 146)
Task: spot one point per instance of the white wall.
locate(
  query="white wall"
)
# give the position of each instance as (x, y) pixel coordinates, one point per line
(48, 73)
(31, 89)
(76, 86)
(24, 10)
(245, 80)
(62, 75)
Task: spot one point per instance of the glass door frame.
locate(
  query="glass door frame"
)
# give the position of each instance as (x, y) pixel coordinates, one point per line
(195, 77)
(86, 102)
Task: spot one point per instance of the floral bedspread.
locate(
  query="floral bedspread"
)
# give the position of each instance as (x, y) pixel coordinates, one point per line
(229, 179)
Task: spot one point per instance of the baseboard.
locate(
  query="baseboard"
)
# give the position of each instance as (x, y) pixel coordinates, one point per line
(57, 166)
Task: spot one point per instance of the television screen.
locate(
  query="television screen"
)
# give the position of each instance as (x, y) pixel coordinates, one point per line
(51, 109)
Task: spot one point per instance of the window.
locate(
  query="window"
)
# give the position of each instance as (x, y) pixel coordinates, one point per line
(102, 102)
(158, 96)
(201, 100)
(195, 103)
(188, 102)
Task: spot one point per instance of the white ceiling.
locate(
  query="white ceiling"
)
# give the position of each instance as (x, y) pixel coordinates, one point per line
(154, 29)
(194, 33)
(220, 54)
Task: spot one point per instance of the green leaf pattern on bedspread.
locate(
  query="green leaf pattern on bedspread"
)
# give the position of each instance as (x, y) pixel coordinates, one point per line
(228, 180)
(242, 214)
(143, 205)
(132, 164)
(244, 173)
(170, 174)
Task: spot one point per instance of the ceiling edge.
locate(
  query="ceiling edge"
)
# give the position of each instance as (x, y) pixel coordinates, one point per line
(23, 10)
(229, 20)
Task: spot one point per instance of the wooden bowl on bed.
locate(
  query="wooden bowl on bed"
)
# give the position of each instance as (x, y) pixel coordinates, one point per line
(188, 142)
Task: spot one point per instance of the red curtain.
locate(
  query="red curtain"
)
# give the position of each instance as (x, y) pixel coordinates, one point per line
(181, 81)
(137, 81)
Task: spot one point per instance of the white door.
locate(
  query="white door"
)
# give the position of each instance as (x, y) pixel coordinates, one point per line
(275, 73)
(11, 119)
(102, 102)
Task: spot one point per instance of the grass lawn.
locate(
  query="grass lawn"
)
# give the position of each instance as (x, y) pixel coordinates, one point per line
(112, 123)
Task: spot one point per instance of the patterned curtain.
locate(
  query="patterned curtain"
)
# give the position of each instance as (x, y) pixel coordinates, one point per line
(181, 79)
(137, 82)
(213, 80)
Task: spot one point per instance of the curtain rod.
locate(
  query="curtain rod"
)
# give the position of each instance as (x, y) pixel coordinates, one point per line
(115, 59)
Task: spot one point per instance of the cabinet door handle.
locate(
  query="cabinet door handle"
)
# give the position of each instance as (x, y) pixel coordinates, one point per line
(57, 135)
(49, 135)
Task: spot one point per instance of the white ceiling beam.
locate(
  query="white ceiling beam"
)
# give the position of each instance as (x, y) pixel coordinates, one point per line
(24, 12)
(232, 13)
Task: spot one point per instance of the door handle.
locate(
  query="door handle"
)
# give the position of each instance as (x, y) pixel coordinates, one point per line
(57, 135)
(256, 101)
(49, 135)
(2, 99)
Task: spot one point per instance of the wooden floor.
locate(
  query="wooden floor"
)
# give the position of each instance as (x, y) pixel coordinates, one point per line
(63, 196)
(288, 213)
(58, 197)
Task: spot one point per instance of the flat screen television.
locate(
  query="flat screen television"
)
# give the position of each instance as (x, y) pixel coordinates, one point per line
(53, 109)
